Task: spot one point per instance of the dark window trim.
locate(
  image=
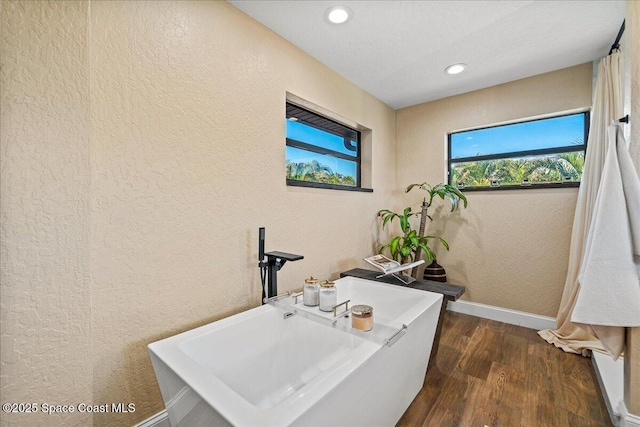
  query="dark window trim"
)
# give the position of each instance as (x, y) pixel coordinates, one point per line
(315, 113)
(312, 184)
(357, 159)
(570, 184)
(320, 150)
(516, 154)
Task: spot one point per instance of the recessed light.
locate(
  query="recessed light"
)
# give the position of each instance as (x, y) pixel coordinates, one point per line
(455, 68)
(338, 14)
(293, 119)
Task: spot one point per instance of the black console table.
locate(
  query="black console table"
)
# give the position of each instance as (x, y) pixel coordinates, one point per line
(449, 291)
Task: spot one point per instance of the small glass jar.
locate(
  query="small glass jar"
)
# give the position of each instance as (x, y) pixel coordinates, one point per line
(328, 295)
(310, 292)
(362, 317)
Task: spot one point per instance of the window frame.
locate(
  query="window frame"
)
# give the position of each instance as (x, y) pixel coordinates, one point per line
(357, 159)
(518, 154)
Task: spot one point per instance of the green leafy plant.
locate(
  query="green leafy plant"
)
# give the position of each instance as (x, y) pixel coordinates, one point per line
(403, 248)
(411, 244)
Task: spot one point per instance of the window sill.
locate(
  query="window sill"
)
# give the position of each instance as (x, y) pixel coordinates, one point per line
(523, 187)
(309, 184)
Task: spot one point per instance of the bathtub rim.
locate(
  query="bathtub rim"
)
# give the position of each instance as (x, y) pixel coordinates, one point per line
(426, 298)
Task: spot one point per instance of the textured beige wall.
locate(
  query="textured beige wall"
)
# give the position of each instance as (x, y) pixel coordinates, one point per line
(631, 47)
(45, 323)
(130, 210)
(509, 248)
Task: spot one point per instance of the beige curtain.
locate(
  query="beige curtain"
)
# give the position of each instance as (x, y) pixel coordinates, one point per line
(607, 108)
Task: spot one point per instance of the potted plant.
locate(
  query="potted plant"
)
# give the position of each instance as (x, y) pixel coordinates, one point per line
(411, 244)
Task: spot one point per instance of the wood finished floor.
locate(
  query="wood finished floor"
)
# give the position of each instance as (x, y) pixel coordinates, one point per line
(495, 374)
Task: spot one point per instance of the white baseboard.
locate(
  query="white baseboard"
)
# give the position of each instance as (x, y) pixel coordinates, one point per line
(505, 315)
(610, 374)
(181, 404)
(627, 419)
(161, 419)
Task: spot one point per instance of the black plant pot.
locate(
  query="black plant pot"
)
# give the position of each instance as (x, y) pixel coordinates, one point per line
(435, 272)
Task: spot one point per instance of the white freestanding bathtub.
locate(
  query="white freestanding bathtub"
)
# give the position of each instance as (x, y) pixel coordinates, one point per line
(273, 366)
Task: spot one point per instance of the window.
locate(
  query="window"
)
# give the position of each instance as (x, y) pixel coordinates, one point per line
(321, 152)
(535, 153)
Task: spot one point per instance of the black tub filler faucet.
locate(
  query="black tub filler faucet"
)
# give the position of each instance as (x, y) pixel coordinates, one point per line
(269, 268)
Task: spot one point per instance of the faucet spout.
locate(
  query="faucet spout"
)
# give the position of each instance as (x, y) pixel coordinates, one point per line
(269, 268)
(275, 261)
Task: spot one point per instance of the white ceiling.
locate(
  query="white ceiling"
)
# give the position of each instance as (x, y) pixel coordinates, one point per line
(398, 50)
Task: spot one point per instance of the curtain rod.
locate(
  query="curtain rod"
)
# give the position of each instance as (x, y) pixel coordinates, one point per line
(616, 44)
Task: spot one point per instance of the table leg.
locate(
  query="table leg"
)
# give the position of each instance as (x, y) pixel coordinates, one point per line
(436, 338)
